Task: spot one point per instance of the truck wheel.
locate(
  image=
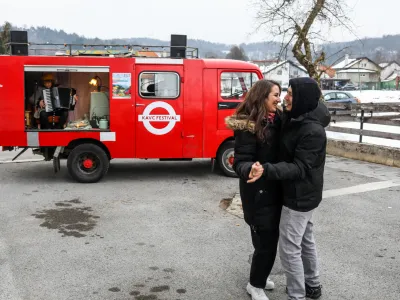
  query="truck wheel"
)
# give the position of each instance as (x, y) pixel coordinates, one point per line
(87, 163)
(225, 158)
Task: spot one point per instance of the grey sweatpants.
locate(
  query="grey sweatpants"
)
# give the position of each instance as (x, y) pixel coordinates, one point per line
(298, 252)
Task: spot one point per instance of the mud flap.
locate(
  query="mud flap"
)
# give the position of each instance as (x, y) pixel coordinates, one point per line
(56, 159)
(212, 165)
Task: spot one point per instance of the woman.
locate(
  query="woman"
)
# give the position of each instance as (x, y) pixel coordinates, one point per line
(256, 126)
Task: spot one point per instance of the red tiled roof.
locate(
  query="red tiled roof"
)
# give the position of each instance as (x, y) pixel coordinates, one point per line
(328, 70)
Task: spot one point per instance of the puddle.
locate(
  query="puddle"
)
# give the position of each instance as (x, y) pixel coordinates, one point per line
(225, 203)
(134, 293)
(169, 270)
(158, 289)
(63, 204)
(70, 221)
(146, 297)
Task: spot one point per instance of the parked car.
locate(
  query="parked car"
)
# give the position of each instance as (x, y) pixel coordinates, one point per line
(348, 87)
(338, 85)
(340, 97)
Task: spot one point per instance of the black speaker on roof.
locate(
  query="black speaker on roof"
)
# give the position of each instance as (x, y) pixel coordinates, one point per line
(19, 37)
(178, 46)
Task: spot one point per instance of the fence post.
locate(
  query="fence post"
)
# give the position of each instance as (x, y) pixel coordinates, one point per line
(361, 124)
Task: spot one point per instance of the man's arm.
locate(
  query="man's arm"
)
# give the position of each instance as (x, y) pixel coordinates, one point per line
(307, 152)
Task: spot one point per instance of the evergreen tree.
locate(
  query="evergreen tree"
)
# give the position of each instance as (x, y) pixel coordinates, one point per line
(5, 37)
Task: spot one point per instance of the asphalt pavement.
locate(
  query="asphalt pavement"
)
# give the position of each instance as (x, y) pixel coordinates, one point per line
(157, 230)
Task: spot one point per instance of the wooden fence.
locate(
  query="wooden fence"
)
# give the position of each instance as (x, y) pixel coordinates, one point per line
(365, 113)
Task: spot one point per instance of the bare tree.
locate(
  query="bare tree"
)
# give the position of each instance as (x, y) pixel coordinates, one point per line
(299, 24)
(237, 53)
(4, 37)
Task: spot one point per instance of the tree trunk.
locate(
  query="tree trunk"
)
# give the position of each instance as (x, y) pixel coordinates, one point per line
(305, 58)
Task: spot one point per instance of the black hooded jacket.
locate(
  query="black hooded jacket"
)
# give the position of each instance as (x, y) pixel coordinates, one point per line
(302, 148)
(261, 200)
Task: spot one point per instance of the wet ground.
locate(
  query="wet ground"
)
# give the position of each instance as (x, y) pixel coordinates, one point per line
(159, 230)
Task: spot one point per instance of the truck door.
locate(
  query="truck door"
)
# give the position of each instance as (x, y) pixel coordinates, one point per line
(159, 109)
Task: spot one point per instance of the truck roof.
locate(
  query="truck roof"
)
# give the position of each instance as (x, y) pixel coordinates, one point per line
(229, 64)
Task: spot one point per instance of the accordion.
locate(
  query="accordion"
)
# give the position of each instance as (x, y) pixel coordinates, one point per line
(57, 98)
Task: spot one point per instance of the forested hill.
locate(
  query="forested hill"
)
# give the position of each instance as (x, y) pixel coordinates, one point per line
(382, 49)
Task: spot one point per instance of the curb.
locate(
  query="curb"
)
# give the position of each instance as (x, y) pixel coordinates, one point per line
(365, 152)
(20, 161)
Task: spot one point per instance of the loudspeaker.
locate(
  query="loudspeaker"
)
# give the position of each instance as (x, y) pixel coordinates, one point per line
(19, 37)
(178, 45)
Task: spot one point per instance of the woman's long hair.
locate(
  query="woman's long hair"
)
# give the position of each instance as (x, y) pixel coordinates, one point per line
(253, 106)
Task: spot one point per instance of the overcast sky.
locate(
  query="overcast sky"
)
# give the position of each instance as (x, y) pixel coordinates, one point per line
(226, 21)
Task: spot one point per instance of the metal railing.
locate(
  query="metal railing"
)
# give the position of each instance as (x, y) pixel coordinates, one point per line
(115, 50)
(370, 113)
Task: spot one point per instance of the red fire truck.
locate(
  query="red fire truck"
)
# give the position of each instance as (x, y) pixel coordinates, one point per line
(126, 103)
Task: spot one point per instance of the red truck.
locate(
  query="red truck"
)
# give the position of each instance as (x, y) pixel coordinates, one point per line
(97, 107)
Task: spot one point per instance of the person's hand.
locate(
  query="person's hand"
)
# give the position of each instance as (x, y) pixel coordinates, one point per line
(256, 172)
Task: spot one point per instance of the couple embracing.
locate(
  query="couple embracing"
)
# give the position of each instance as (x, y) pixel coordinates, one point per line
(280, 159)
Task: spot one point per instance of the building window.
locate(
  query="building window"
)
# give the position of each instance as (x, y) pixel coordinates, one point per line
(236, 84)
(159, 85)
(279, 72)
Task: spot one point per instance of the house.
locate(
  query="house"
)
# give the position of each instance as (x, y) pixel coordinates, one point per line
(391, 82)
(282, 71)
(360, 71)
(388, 69)
(265, 62)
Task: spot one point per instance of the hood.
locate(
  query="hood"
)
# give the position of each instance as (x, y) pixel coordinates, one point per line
(236, 122)
(320, 115)
(306, 96)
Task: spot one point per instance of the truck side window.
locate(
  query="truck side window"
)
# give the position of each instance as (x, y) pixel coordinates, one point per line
(159, 85)
(235, 85)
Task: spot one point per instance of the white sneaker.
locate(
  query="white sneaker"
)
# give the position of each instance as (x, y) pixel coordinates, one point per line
(256, 293)
(270, 285)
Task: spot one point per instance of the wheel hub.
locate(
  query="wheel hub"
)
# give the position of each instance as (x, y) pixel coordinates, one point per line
(88, 163)
(229, 158)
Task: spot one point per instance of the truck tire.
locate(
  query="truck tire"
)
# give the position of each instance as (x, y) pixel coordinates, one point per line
(225, 157)
(87, 163)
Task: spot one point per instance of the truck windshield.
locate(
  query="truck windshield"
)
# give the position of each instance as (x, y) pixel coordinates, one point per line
(235, 85)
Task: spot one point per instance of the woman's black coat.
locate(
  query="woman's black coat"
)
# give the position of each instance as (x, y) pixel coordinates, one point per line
(261, 200)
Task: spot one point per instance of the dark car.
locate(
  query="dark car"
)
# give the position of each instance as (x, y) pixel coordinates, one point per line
(348, 87)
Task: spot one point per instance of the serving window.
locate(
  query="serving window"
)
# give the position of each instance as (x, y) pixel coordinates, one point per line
(67, 98)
